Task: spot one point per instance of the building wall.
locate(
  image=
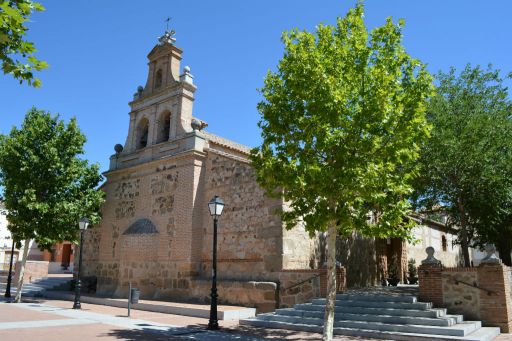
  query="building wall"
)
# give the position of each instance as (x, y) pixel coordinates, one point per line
(358, 255)
(250, 232)
(427, 236)
(5, 241)
(173, 193)
(167, 184)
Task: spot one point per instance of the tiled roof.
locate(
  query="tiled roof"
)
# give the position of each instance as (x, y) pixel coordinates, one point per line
(226, 143)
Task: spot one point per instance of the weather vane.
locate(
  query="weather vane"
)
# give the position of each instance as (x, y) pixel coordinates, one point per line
(168, 36)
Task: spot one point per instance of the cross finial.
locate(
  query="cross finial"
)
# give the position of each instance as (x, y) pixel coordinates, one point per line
(168, 36)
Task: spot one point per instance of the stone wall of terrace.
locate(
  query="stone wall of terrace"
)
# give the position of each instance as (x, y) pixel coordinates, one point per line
(481, 293)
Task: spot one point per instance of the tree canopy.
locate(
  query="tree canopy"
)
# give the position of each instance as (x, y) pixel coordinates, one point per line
(467, 162)
(47, 187)
(342, 121)
(16, 53)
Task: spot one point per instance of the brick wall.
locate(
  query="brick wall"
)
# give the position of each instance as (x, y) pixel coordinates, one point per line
(478, 293)
(431, 283)
(496, 308)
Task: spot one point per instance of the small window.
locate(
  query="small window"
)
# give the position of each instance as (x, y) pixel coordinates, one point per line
(158, 79)
(444, 244)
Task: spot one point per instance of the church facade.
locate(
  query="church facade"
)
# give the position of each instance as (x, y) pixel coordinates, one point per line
(156, 231)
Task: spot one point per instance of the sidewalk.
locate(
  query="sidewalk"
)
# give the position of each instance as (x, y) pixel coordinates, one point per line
(54, 320)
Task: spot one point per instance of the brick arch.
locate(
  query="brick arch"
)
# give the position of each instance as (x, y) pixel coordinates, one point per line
(139, 242)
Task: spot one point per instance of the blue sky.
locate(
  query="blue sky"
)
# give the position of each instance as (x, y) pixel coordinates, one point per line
(97, 54)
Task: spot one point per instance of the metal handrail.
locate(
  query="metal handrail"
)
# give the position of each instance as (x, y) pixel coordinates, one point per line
(301, 282)
(474, 285)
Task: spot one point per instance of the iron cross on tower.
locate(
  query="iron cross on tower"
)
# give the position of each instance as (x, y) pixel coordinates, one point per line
(168, 37)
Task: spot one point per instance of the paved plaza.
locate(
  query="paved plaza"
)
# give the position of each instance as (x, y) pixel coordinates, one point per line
(55, 320)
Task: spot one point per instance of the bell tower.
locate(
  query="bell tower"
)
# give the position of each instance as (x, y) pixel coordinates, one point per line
(164, 64)
(161, 111)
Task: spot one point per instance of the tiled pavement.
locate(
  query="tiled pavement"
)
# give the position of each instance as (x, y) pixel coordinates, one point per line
(55, 320)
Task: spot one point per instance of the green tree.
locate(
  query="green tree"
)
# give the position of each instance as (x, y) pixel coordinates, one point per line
(492, 221)
(342, 121)
(17, 54)
(467, 162)
(47, 187)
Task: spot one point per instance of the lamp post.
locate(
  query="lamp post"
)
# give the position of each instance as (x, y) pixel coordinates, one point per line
(9, 276)
(216, 205)
(82, 224)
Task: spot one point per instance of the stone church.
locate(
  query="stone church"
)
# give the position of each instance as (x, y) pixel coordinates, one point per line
(156, 230)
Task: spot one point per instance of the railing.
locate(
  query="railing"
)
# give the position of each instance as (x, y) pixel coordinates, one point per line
(279, 289)
(301, 282)
(474, 285)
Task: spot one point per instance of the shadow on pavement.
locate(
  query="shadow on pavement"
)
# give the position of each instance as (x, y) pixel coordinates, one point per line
(225, 334)
(141, 335)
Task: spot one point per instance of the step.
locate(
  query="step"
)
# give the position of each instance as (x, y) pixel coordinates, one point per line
(372, 304)
(44, 285)
(374, 298)
(51, 282)
(483, 334)
(224, 312)
(447, 320)
(436, 312)
(33, 286)
(460, 329)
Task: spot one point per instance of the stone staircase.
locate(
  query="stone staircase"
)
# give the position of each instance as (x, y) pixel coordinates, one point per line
(39, 287)
(392, 317)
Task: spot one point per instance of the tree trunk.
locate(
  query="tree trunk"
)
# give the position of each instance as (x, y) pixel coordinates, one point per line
(331, 283)
(504, 249)
(17, 299)
(464, 242)
(464, 245)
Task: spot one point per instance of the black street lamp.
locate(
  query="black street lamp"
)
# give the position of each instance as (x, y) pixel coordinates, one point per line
(82, 224)
(216, 205)
(9, 276)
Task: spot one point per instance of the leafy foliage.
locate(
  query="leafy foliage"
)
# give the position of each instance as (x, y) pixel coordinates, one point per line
(13, 16)
(47, 188)
(342, 122)
(466, 164)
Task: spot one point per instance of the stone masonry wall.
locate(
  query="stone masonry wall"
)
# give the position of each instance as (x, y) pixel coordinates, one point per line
(249, 233)
(161, 263)
(291, 287)
(458, 297)
(172, 263)
(358, 255)
(481, 293)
